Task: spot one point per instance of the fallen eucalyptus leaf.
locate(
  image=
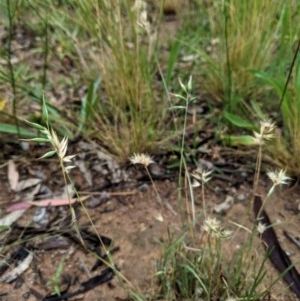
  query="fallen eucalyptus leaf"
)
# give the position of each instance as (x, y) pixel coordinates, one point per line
(13, 175)
(25, 184)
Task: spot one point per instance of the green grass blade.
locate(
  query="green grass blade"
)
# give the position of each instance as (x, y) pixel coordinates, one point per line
(257, 110)
(270, 80)
(239, 121)
(238, 140)
(12, 129)
(173, 56)
(89, 104)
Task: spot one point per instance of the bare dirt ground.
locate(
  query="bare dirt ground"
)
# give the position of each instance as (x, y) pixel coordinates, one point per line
(127, 212)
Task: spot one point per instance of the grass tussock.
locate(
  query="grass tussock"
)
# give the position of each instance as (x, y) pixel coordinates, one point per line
(240, 37)
(205, 270)
(129, 111)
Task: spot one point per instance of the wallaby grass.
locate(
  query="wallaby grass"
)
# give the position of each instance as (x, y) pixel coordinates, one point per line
(195, 265)
(207, 271)
(115, 54)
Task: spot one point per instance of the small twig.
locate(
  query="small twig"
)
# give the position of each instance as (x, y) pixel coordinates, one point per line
(117, 193)
(292, 239)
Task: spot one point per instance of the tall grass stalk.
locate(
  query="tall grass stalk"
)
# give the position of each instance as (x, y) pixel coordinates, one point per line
(46, 54)
(185, 100)
(11, 8)
(59, 148)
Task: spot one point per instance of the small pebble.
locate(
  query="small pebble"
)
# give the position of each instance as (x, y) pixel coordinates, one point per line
(241, 197)
(144, 188)
(41, 217)
(26, 295)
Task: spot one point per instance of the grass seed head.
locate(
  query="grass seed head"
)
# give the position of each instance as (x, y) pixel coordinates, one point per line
(266, 132)
(278, 177)
(261, 228)
(201, 175)
(60, 147)
(143, 159)
(267, 126)
(140, 8)
(212, 227)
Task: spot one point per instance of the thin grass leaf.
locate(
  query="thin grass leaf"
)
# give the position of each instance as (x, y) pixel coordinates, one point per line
(278, 86)
(194, 273)
(238, 140)
(177, 107)
(57, 289)
(12, 129)
(48, 154)
(239, 121)
(59, 270)
(173, 57)
(89, 104)
(41, 140)
(45, 115)
(35, 125)
(256, 108)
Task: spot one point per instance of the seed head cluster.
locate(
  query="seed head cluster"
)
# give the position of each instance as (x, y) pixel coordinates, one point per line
(266, 132)
(278, 177)
(201, 176)
(212, 227)
(261, 228)
(143, 159)
(60, 147)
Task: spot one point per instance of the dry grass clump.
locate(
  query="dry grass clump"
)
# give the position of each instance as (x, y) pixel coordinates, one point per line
(129, 117)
